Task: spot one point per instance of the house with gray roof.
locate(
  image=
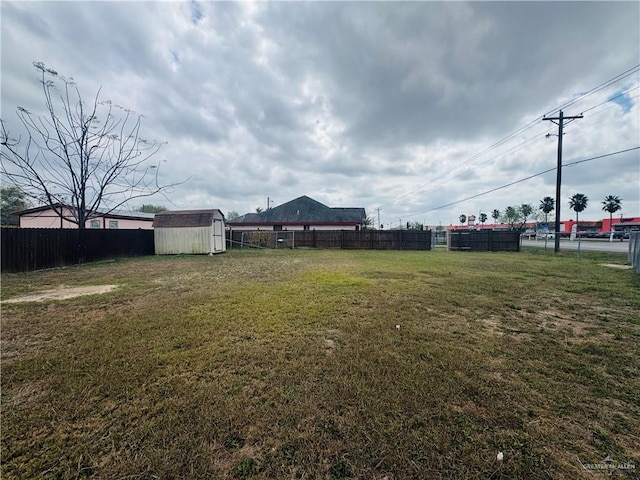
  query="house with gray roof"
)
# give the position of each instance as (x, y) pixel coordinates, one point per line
(302, 213)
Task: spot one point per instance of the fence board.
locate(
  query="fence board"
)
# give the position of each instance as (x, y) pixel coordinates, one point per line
(341, 239)
(28, 249)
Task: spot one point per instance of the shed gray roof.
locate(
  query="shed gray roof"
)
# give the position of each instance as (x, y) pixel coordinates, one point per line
(185, 218)
(303, 210)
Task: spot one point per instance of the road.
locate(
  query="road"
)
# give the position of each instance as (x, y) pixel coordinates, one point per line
(586, 245)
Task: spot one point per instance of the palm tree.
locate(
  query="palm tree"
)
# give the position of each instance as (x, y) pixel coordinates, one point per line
(483, 218)
(463, 218)
(547, 205)
(578, 203)
(611, 204)
(496, 215)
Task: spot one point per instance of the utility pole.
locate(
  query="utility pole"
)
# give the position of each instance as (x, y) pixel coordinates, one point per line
(378, 209)
(560, 122)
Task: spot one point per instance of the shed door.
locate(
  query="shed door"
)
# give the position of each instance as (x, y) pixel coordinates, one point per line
(218, 236)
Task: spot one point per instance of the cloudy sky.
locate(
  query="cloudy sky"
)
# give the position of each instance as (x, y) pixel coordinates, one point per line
(402, 106)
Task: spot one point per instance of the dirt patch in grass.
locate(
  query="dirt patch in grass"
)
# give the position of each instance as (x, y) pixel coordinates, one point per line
(331, 337)
(573, 328)
(492, 325)
(62, 293)
(617, 265)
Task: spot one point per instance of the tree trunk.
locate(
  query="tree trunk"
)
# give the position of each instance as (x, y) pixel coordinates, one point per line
(610, 227)
(578, 230)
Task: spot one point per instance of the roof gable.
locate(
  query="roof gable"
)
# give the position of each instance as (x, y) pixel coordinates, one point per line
(303, 210)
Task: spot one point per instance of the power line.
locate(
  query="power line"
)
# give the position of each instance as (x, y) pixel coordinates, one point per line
(542, 132)
(596, 89)
(606, 120)
(501, 187)
(515, 147)
(546, 171)
(537, 135)
(522, 129)
(578, 162)
(464, 162)
(610, 99)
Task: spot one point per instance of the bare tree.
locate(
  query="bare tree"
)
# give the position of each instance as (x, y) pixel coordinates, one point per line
(82, 159)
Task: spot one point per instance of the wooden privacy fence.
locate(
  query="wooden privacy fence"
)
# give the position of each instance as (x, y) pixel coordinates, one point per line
(342, 239)
(28, 249)
(484, 240)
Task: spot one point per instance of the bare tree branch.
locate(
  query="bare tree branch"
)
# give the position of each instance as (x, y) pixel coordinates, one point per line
(86, 157)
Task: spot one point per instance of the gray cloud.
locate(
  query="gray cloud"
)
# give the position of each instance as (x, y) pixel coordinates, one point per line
(365, 103)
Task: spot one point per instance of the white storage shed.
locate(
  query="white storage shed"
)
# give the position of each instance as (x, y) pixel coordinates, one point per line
(189, 232)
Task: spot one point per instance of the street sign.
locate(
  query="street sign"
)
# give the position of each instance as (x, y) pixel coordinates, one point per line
(574, 230)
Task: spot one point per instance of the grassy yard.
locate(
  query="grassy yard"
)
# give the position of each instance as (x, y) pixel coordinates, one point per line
(288, 364)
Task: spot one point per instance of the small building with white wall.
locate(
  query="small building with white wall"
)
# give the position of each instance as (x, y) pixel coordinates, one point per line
(60, 216)
(189, 232)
